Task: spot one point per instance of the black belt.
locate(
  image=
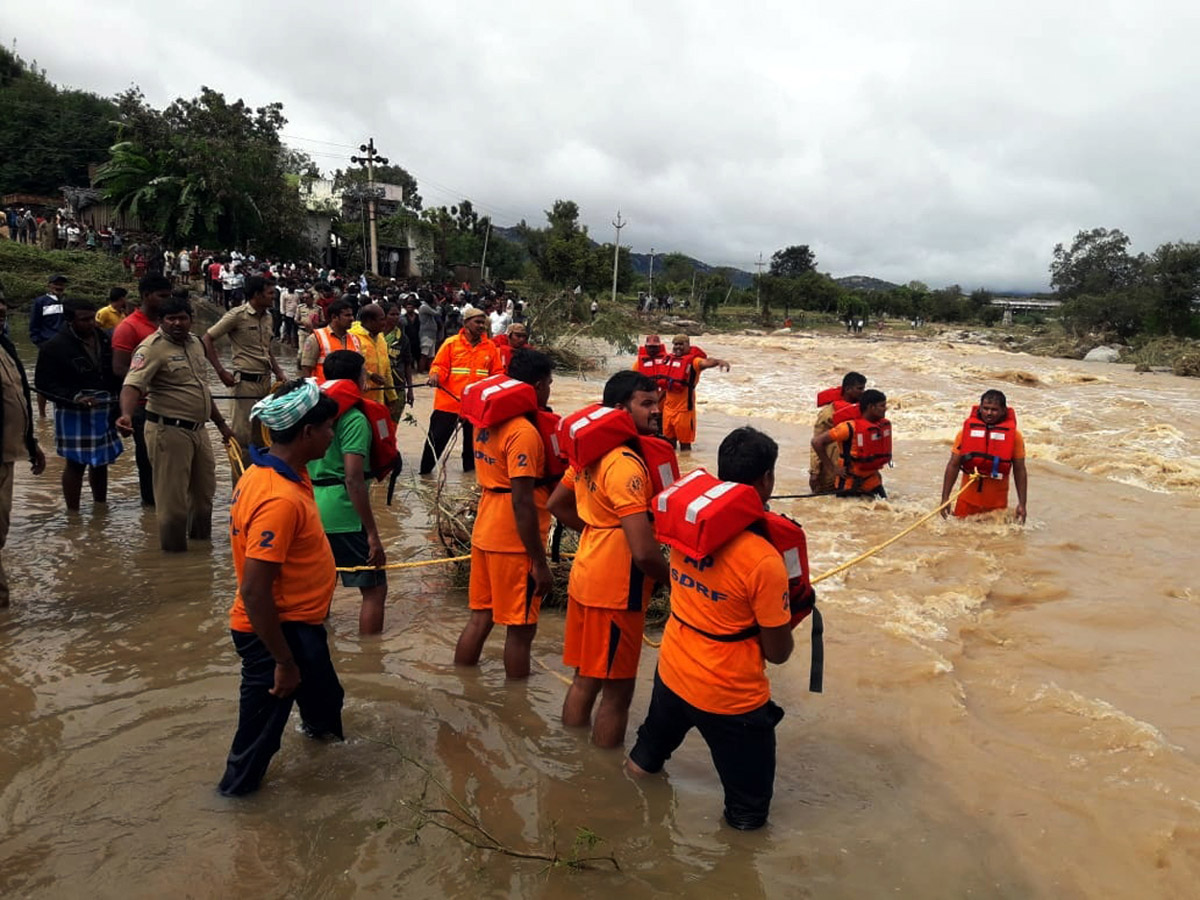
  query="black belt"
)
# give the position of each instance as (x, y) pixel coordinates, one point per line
(176, 423)
(246, 376)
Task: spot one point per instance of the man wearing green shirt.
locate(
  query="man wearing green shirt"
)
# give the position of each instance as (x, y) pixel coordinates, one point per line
(340, 485)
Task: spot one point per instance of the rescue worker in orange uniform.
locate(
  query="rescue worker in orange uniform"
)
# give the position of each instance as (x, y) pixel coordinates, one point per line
(651, 361)
(509, 573)
(334, 336)
(683, 369)
(467, 357)
(866, 444)
(832, 412)
(720, 687)
(989, 443)
(614, 571)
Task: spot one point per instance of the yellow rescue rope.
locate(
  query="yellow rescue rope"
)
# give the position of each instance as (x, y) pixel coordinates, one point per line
(559, 675)
(236, 458)
(869, 553)
(415, 564)
(235, 455)
(971, 479)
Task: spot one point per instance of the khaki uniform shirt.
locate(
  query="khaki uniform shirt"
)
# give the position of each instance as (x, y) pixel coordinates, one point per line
(172, 377)
(12, 442)
(250, 334)
(823, 424)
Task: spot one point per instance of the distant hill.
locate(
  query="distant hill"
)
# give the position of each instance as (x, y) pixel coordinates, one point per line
(641, 265)
(865, 283)
(641, 261)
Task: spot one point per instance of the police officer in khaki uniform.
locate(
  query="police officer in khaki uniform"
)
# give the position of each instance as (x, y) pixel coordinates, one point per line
(169, 368)
(249, 328)
(17, 440)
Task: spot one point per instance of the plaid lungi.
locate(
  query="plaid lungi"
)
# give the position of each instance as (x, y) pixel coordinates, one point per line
(86, 436)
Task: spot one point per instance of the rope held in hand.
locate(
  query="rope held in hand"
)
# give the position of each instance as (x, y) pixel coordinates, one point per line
(236, 458)
(869, 553)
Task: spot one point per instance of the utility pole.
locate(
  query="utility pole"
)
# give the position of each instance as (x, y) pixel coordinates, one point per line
(758, 282)
(651, 277)
(369, 161)
(617, 224)
(483, 260)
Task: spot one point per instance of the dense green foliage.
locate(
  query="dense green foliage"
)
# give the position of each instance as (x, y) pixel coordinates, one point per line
(1107, 290)
(564, 256)
(50, 135)
(389, 174)
(458, 234)
(24, 270)
(793, 262)
(206, 171)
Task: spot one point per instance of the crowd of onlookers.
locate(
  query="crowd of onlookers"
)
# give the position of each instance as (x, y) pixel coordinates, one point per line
(426, 313)
(57, 231)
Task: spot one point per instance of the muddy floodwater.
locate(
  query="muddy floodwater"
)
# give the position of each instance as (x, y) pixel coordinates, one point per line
(1008, 711)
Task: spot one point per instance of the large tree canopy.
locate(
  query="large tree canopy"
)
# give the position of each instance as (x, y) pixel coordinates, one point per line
(208, 171)
(565, 256)
(50, 135)
(389, 174)
(792, 262)
(1097, 261)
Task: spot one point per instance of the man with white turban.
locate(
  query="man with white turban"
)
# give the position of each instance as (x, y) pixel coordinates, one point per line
(285, 574)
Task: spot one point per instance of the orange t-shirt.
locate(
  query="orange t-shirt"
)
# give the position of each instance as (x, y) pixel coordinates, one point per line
(273, 517)
(987, 493)
(603, 573)
(502, 452)
(840, 434)
(742, 584)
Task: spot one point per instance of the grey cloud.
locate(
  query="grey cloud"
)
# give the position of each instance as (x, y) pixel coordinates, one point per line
(934, 141)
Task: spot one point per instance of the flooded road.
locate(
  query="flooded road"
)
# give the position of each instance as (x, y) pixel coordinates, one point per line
(1008, 711)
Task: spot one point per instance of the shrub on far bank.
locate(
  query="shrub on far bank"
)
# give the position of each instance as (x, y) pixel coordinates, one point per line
(25, 269)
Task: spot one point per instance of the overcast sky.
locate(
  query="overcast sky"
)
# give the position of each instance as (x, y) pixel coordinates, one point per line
(943, 141)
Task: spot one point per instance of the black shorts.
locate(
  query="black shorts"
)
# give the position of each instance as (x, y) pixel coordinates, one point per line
(350, 549)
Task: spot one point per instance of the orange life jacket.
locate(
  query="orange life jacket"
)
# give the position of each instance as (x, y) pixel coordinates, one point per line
(556, 460)
(653, 366)
(681, 375)
(699, 514)
(505, 348)
(843, 410)
(869, 447)
(327, 345)
(988, 449)
(499, 398)
(829, 395)
(385, 455)
(587, 434)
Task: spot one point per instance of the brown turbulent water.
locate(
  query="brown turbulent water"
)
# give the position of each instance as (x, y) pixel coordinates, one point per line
(1008, 712)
